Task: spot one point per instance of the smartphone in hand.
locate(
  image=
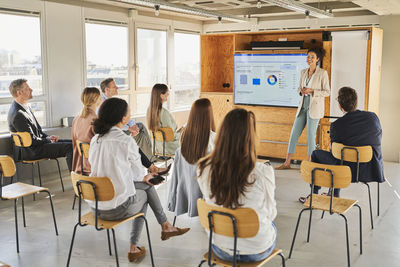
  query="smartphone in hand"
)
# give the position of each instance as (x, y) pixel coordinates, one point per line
(157, 180)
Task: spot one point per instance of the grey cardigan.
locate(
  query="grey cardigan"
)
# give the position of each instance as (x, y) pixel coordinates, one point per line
(183, 190)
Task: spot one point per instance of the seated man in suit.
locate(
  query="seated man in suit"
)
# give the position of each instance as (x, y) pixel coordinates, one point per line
(355, 128)
(21, 119)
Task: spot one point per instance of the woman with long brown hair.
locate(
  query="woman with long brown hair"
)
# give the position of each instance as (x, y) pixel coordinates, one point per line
(160, 117)
(197, 141)
(231, 177)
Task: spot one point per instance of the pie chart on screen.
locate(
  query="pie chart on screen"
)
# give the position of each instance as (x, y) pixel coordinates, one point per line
(272, 80)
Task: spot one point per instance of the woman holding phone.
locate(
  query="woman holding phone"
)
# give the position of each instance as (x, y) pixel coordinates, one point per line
(313, 88)
(116, 155)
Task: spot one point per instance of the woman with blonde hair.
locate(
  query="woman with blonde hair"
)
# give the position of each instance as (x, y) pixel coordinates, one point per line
(82, 128)
(196, 142)
(160, 117)
(231, 177)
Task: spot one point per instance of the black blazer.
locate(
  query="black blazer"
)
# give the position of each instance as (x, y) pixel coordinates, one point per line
(20, 121)
(360, 128)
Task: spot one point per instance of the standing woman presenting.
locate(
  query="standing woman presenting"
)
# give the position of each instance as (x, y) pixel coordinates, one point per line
(313, 88)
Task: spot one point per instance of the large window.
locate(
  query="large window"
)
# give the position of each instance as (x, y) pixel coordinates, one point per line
(151, 65)
(20, 57)
(187, 69)
(107, 54)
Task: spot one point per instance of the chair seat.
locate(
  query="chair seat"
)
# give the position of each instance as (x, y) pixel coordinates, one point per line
(89, 219)
(2, 264)
(339, 205)
(35, 160)
(216, 260)
(18, 190)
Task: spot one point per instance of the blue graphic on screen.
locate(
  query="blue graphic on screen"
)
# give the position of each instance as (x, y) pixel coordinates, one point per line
(268, 79)
(272, 80)
(243, 79)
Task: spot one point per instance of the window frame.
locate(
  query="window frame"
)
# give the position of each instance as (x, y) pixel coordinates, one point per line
(44, 97)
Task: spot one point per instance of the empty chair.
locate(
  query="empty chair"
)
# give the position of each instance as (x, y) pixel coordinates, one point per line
(241, 222)
(331, 176)
(163, 135)
(19, 190)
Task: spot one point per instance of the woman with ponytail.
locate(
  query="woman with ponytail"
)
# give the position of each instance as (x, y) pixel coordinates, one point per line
(116, 155)
(82, 128)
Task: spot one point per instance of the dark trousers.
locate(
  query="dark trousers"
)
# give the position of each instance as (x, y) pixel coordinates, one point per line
(61, 148)
(325, 157)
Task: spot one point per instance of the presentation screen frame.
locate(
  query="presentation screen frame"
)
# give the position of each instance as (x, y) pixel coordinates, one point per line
(298, 53)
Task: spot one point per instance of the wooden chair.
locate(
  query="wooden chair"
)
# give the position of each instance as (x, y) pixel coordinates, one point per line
(19, 190)
(2, 264)
(24, 139)
(162, 135)
(332, 176)
(83, 150)
(241, 222)
(356, 154)
(99, 189)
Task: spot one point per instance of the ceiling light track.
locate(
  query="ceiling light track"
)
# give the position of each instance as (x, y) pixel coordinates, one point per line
(300, 7)
(164, 5)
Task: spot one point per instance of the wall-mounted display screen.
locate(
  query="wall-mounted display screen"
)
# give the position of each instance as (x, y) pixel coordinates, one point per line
(268, 79)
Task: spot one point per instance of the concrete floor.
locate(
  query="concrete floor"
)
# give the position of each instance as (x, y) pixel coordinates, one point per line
(39, 246)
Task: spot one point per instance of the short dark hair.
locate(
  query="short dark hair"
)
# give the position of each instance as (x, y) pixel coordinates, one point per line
(320, 52)
(111, 113)
(105, 84)
(347, 99)
(15, 86)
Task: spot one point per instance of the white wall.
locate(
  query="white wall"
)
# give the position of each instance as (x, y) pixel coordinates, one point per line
(390, 87)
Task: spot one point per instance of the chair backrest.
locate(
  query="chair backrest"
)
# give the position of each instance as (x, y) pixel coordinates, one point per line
(22, 139)
(350, 153)
(323, 172)
(7, 166)
(246, 219)
(83, 148)
(164, 134)
(104, 187)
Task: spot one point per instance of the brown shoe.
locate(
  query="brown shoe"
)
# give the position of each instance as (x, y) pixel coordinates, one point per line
(283, 167)
(134, 256)
(179, 231)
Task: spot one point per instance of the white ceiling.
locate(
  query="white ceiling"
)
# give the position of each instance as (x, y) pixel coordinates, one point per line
(248, 8)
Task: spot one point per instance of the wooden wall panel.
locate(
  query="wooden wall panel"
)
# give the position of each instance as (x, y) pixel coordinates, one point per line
(221, 103)
(216, 63)
(375, 70)
(278, 132)
(272, 114)
(277, 150)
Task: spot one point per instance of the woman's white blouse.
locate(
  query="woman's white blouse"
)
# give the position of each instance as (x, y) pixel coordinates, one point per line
(116, 155)
(260, 197)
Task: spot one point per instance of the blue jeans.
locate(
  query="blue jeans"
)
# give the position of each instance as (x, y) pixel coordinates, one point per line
(241, 257)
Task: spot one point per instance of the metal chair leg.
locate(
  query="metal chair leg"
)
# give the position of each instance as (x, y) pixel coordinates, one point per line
(109, 243)
(72, 244)
(59, 172)
(370, 205)
(378, 197)
(73, 204)
(33, 180)
(52, 210)
(201, 263)
(40, 176)
(148, 239)
(359, 208)
(173, 224)
(23, 211)
(295, 231)
(309, 227)
(322, 215)
(347, 240)
(115, 247)
(16, 223)
(283, 259)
